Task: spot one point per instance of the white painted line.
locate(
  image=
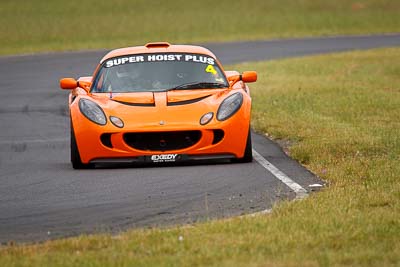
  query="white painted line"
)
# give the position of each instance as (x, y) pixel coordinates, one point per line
(298, 189)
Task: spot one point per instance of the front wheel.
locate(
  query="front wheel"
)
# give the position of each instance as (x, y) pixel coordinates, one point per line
(248, 151)
(75, 157)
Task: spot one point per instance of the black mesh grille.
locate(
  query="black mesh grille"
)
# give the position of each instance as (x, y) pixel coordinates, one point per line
(162, 141)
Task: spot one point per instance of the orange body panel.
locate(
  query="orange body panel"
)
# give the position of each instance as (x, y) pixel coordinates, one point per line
(173, 118)
(155, 112)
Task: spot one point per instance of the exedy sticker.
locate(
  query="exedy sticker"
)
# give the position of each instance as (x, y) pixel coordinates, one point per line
(160, 57)
(164, 158)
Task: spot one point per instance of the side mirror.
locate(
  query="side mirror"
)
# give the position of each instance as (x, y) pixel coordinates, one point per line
(246, 76)
(71, 83)
(249, 76)
(68, 83)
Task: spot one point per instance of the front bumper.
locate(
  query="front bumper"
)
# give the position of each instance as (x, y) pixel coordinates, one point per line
(95, 148)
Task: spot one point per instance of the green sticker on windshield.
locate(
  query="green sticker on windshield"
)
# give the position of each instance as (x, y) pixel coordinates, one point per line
(211, 69)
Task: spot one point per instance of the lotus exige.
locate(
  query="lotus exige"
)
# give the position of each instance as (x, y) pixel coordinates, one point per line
(159, 103)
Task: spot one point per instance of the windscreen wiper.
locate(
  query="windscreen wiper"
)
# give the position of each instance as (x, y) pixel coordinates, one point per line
(198, 85)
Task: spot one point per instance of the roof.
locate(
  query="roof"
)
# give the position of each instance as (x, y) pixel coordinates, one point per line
(157, 47)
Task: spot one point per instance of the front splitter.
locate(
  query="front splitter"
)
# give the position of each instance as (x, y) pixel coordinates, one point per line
(163, 158)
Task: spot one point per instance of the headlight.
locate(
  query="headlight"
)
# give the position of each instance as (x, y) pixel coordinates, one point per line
(117, 121)
(206, 118)
(229, 106)
(92, 111)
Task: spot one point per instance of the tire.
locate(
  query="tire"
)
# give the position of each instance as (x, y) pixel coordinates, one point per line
(248, 151)
(75, 157)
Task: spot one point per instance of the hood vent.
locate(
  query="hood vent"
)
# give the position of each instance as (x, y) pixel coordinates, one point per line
(185, 102)
(135, 104)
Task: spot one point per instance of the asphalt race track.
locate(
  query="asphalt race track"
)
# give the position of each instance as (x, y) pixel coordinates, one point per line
(42, 197)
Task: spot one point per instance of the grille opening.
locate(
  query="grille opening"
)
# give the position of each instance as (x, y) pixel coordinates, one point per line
(162, 141)
(218, 135)
(106, 140)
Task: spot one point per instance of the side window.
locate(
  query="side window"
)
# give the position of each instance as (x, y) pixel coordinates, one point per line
(99, 85)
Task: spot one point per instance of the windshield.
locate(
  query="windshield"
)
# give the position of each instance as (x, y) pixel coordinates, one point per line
(158, 72)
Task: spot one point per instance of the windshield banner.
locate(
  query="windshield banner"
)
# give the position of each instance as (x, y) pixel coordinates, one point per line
(160, 57)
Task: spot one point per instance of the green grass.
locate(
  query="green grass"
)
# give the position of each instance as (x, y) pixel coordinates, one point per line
(340, 115)
(36, 25)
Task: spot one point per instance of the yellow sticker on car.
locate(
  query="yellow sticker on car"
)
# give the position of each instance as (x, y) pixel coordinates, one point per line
(211, 69)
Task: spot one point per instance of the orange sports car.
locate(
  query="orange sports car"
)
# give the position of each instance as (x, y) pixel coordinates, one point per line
(159, 103)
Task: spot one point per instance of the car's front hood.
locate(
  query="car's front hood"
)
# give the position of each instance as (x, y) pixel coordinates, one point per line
(174, 97)
(177, 108)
